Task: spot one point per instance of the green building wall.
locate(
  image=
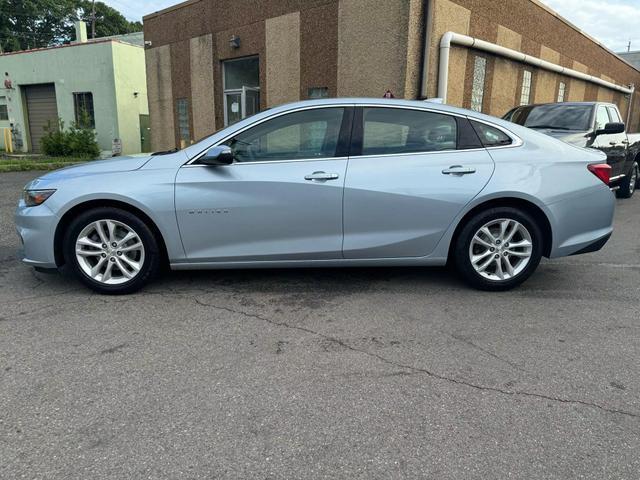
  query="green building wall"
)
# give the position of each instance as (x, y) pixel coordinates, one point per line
(113, 71)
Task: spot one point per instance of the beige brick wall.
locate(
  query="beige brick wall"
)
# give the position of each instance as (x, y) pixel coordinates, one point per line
(282, 40)
(372, 47)
(159, 90)
(506, 74)
(202, 86)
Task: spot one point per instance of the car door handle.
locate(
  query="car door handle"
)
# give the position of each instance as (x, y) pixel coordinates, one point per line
(458, 170)
(321, 176)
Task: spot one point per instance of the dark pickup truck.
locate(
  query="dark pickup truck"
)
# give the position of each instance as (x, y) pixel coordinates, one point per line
(593, 125)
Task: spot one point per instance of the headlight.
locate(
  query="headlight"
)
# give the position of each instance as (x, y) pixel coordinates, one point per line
(33, 198)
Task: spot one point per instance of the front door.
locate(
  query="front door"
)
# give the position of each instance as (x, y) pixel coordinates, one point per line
(407, 182)
(145, 134)
(281, 199)
(611, 144)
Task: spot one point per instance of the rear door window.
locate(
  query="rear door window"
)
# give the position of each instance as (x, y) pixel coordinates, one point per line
(395, 131)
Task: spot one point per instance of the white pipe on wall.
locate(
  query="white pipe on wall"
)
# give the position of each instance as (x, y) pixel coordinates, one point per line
(466, 41)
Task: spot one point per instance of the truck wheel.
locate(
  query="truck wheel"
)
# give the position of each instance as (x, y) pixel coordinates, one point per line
(629, 183)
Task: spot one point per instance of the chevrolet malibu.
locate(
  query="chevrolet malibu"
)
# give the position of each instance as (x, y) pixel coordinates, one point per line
(326, 183)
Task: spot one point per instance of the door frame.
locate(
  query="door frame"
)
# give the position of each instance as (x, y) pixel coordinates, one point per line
(241, 91)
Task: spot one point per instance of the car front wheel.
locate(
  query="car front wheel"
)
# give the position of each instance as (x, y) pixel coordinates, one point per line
(111, 250)
(498, 249)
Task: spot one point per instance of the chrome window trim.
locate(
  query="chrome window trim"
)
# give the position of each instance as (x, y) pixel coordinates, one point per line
(516, 141)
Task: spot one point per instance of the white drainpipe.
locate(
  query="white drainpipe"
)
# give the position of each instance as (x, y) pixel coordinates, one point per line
(465, 41)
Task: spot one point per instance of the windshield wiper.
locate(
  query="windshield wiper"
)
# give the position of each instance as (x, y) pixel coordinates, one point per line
(550, 127)
(165, 152)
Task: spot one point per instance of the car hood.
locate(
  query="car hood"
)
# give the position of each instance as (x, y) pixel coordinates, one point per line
(116, 164)
(578, 139)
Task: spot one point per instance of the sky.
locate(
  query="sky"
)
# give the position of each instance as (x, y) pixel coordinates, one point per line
(613, 22)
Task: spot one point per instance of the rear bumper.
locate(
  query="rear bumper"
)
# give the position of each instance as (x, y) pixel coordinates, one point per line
(582, 223)
(594, 246)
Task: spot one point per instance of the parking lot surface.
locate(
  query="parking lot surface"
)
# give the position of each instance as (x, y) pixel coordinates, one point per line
(334, 373)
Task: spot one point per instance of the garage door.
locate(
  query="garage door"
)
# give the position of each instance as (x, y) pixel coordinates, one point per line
(41, 109)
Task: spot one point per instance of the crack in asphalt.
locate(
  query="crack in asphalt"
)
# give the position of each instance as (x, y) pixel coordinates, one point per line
(462, 339)
(415, 369)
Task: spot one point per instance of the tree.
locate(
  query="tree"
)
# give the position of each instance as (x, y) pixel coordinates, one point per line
(40, 23)
(33, 23)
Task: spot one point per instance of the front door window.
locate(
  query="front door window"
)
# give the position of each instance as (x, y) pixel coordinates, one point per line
(308, 134)
(241, 83)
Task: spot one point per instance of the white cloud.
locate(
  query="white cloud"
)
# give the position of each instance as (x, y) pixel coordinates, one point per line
(612, 22)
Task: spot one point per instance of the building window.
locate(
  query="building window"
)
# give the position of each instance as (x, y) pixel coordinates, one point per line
(4, 114)
(83, 107)
(241, 85)
(525, 94)
(318, 92)
(562, 88)
(477, 90)
(182, 105)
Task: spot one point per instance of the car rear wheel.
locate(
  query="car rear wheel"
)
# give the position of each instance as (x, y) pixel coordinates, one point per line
(111, 251)
(498, 249)
(629, 183)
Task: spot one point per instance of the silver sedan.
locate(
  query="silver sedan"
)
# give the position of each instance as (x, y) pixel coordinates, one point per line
(327, 183)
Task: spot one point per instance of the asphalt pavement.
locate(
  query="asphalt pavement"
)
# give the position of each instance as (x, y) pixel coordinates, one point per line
(323, 373)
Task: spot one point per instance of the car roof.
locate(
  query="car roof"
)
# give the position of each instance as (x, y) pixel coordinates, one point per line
(390, 102)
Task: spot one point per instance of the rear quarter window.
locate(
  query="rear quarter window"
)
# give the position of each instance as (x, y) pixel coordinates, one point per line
(491, 136)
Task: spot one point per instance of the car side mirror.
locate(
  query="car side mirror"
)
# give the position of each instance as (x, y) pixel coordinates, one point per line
(218, 155)
(611, 129)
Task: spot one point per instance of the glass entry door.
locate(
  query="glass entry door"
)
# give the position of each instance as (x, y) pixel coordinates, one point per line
(241, 83)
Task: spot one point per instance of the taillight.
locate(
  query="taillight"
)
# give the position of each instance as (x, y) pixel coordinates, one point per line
(601, 170)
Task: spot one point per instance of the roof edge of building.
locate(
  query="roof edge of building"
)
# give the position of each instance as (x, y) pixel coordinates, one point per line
(66, 45)
(582, 32)
(171, 8)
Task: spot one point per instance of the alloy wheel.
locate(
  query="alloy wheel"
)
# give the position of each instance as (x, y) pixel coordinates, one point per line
(501, 249)
(109, 252)
(633, 180)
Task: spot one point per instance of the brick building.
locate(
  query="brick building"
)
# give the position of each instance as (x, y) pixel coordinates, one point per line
(210, 63)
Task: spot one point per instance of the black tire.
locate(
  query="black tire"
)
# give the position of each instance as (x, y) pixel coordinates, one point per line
(461, 248)
(152, 255)
(629, 182)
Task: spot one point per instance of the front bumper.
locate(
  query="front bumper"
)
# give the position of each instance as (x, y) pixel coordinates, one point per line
(36, 228)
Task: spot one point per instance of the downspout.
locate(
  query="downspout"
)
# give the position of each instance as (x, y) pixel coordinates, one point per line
(450, 38)
(633, 89)
(424, 70)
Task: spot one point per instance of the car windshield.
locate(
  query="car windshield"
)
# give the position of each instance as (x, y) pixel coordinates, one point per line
(557, 116)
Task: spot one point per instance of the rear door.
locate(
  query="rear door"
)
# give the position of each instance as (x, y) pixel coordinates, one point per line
(410, 173)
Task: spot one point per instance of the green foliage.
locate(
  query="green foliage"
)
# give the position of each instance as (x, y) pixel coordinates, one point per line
(28, 24)
(108, 20)
(76, 141)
